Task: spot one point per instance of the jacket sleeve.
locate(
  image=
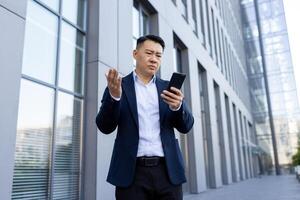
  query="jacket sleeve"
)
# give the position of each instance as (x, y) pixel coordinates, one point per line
(108, 116)
(183, 119)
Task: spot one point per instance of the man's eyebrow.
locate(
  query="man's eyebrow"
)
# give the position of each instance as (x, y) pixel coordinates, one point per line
(153, 51)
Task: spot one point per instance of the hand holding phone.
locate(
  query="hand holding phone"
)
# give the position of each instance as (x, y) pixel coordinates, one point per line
(176, 81)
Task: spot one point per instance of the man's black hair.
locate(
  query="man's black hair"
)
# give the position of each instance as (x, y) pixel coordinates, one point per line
(153, 38)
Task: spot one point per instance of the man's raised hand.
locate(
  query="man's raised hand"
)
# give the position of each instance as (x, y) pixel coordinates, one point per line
(114, 83)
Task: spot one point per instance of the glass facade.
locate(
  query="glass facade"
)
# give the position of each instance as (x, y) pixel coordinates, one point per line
(49, 131)
(280, 75)
(255, 75)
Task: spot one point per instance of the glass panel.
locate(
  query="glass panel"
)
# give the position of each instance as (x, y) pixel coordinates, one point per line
(278, 23)
(284, 60)
(145, 24)
(34, 130)
(54, 4)
(265, 11)
(250, 13)
(277, 7)
(73, 10)
(39, 60)
(265, 27)
(71, 59)
(67, 147)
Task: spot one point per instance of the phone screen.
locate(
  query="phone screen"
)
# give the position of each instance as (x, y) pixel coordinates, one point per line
(176, 81)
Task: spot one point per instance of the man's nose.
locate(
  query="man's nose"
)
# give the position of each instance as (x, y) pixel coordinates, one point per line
(153, 59)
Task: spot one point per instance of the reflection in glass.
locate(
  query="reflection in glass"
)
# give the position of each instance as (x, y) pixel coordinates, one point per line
(145, 25)
(54, 4)
(71, 59)
(39, 59)
(34, 131)
(67, 147)
(73, 10)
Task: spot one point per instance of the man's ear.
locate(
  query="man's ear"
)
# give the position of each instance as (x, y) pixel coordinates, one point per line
(134, 53)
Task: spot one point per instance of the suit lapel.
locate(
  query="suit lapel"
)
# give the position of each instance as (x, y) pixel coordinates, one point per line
(162, 105)
(129, 91)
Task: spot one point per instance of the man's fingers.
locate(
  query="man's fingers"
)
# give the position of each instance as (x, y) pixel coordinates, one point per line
(170, 99)
(178, 96)
(119, 81)
(175, 90)
(112, 76)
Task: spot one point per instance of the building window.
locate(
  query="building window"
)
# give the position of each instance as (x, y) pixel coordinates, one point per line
(219, 45)
(180, 65)
(215, 49)
(208, 28)
(226, 59)
(194, 18)
(49, 130)
(140, 22)
(202, 22)
(182, 5)
(177, 58)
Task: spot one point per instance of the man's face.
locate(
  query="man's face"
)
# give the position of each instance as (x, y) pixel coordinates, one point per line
(148, 58)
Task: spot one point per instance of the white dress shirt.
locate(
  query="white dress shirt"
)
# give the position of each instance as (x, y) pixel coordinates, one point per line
(148, 118)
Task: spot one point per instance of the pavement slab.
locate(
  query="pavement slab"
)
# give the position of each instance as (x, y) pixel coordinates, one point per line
(284, 187)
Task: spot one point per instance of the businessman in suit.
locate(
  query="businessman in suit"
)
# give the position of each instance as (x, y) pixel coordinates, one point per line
(146, 161)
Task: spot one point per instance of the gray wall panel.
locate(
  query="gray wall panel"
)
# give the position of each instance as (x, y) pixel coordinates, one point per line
(125, 61)
(12, 38)
(105, 191)
(108, 32)
(16, 6)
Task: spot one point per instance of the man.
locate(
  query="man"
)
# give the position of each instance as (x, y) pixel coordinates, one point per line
(146, 161)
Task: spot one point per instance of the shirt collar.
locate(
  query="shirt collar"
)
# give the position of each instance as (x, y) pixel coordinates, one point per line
(136, 78)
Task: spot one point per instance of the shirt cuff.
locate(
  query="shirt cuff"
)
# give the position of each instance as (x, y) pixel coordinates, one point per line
(115, 98)
(177, 108)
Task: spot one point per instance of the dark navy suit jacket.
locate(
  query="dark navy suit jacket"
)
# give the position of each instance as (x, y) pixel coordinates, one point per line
(123, 114)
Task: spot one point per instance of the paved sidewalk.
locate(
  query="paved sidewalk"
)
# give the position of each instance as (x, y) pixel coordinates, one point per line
(285, 187)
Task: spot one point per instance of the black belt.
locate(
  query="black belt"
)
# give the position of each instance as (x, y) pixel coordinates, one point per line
(150, 161)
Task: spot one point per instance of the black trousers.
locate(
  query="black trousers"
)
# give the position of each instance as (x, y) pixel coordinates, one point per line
(150, 183)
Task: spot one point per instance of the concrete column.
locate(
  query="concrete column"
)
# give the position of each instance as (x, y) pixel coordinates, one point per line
(89, 183)
(235, 147)
(246, 146)
(196, 156)
(12, 22)
(239, 135)
(249, 150)
(225, 136)
(214, 131)
(109, 45)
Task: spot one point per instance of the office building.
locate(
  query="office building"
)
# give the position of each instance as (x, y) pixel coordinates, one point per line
(54, 55)
(268, 55)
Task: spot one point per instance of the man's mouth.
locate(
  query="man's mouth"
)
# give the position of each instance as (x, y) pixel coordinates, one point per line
(152, 67)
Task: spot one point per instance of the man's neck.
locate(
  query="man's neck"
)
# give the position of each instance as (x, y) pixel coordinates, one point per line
(144, 78)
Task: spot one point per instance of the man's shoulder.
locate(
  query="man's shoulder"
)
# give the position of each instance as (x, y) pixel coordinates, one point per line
(160, 80)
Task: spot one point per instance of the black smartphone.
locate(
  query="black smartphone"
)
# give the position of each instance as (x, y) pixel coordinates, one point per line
(176, 81)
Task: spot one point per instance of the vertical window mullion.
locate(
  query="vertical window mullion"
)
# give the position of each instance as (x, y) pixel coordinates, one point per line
(53, 149)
